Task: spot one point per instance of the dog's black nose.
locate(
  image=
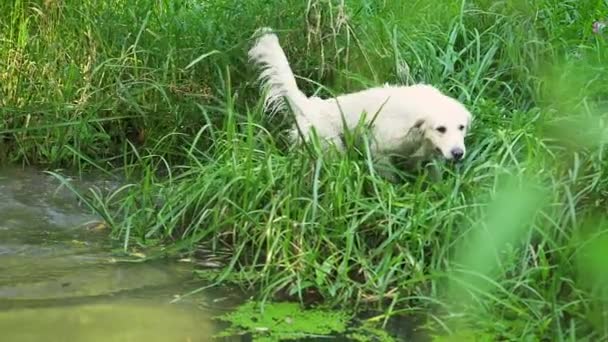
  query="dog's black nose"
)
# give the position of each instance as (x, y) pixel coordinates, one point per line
(457, 153)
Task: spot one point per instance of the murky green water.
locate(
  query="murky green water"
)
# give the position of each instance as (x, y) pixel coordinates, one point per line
(58, 281)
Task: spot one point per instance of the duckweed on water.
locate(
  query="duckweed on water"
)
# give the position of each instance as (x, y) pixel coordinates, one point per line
(369, 332)
(283, 321)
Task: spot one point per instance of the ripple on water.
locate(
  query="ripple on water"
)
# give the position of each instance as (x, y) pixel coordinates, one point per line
(58, 281)
(132, 320)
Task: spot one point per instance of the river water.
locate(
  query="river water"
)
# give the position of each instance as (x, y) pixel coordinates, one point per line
(60, 282)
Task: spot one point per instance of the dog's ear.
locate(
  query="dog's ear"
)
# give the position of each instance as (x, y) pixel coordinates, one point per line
(416, 128)
(418, 124)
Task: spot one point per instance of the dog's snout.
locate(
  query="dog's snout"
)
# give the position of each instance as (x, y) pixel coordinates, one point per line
(457, 153)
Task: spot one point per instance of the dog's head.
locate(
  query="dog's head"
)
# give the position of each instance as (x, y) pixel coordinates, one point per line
(444, 125)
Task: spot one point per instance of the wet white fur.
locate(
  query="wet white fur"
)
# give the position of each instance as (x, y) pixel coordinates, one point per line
(406, 119)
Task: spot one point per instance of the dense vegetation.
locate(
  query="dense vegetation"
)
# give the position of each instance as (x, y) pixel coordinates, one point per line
(510, 243)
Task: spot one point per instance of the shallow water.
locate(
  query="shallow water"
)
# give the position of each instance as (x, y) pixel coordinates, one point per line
(59, 282)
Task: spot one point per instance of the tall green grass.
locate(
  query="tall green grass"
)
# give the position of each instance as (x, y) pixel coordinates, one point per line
(508, 244)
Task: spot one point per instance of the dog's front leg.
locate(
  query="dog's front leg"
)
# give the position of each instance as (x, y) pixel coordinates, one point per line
(386, 169)
(434, 171)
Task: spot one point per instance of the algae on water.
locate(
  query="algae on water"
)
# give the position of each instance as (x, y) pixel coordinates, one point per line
(283, 321)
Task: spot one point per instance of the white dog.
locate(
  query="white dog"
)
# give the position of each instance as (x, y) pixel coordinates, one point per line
(415, 122)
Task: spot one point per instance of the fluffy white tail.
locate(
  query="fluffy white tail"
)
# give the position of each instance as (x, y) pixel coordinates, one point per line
(277, 78)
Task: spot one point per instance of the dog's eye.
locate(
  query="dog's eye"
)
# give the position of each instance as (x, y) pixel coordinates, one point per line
(461, 127)
(441, 129)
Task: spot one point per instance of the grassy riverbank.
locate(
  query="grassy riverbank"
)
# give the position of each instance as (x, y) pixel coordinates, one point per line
(161, 92)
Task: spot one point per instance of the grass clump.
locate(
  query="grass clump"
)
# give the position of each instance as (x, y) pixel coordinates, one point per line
(162, 93)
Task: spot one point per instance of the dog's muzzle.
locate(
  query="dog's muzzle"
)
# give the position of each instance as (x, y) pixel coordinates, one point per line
(457, 153)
